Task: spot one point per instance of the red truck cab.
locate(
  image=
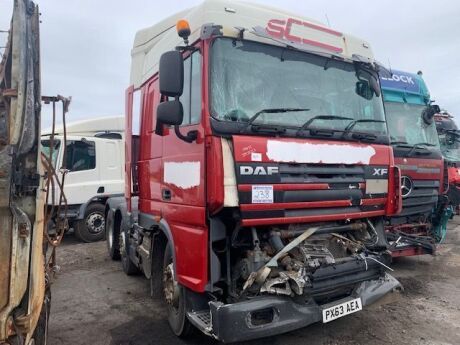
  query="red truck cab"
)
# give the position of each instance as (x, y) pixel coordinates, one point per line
(410, 118)
(259, 179)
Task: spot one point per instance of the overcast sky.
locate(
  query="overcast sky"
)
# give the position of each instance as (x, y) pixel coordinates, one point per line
(86, 43)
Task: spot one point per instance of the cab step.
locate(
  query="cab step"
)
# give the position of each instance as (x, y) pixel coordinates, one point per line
(202, 320)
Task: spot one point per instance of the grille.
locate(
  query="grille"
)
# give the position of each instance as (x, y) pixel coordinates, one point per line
(309, 190)
(421, 199)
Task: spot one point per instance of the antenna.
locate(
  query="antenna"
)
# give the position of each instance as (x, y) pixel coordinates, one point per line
(389, 65)
(327, 19)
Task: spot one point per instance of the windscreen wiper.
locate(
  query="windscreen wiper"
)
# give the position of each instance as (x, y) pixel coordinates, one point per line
(271, 111)
(307, 124)
(353, 123)
(400, 143)
(419, 146)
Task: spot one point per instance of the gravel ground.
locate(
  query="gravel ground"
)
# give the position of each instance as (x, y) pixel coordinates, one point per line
(95, 303)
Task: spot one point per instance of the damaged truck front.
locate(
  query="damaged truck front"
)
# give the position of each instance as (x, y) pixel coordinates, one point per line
(257, 184)
(24, 300)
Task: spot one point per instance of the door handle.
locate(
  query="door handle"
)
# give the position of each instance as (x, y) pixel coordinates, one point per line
(166, 194)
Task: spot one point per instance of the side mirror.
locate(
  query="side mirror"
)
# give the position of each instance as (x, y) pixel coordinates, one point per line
(429, 112)
(169, 113)
(171, 74)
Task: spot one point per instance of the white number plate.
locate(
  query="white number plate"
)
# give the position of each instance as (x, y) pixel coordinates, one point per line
(262, 194)
(339, 310)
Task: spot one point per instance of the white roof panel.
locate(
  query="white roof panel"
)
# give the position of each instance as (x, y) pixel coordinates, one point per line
(153, 41)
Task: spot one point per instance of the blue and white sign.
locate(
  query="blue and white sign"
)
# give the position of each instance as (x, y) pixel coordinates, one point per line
(401, 81)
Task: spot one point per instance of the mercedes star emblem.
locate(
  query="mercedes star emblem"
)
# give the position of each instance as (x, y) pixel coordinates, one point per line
(406, 186)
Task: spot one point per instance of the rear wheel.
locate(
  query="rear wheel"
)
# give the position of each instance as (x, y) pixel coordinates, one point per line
(112, 235)
(92, 227)
(174, 296)
(128, 266)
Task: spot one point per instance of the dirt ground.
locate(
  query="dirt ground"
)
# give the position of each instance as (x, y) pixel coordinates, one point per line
(95, 303)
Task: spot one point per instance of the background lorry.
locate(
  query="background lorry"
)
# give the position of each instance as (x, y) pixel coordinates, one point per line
(412, 130)
(257, 185)
(94, 171)
(449, 138)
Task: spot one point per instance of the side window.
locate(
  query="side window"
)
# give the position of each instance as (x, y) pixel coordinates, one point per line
(191, 97)
(81, 155)
(185, 98)
(195, 95)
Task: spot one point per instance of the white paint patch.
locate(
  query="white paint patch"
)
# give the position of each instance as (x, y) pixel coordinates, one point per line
(280, 151)
(184, 175)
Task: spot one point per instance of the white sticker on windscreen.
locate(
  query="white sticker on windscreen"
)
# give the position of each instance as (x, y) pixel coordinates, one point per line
(262, 194)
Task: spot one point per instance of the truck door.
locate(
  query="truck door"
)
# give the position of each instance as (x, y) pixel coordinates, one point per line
(183, 183)
(81, 181)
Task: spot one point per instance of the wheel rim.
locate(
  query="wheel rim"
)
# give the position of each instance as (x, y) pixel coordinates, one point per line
(171, 288)
(95, 223)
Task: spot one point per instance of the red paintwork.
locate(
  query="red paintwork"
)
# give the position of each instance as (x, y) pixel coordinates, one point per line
(214, 175)
(454, 176)
(311, 219)
(188, 210)
(402, 163)
(309, 204)
(287, 186)
(281, 29)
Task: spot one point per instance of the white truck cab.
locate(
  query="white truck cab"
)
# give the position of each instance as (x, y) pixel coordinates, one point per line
(94, 165)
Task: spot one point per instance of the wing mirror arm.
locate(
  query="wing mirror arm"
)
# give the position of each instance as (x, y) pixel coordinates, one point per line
(189, 138)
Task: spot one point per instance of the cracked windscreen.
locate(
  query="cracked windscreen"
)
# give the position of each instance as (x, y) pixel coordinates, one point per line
(406, 125)
(249, 77)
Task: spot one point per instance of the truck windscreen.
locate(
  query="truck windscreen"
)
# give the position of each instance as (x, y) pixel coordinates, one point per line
(249, 77)
(450, 146)
(406, 125)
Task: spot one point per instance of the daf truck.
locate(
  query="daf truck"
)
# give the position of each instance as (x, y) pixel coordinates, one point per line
(412, 129)
(94, 164)
(257, 186)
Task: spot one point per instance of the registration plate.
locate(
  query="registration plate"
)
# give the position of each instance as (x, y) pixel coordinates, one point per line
(342, 309)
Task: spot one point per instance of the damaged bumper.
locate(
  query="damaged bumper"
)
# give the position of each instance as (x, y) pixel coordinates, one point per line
(270, 315)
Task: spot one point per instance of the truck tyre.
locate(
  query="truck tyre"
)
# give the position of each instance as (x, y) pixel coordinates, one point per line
(112, 236)
(92, 227)
(174, 297)
(40, 335)
(128, 266)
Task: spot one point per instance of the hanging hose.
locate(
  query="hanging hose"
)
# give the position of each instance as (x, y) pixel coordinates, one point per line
(53, 180)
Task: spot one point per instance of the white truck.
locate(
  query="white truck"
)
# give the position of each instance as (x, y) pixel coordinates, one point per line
(94, 165)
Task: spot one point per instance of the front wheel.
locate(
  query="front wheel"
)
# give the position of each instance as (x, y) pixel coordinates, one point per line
(92, 227)
(174, 296)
